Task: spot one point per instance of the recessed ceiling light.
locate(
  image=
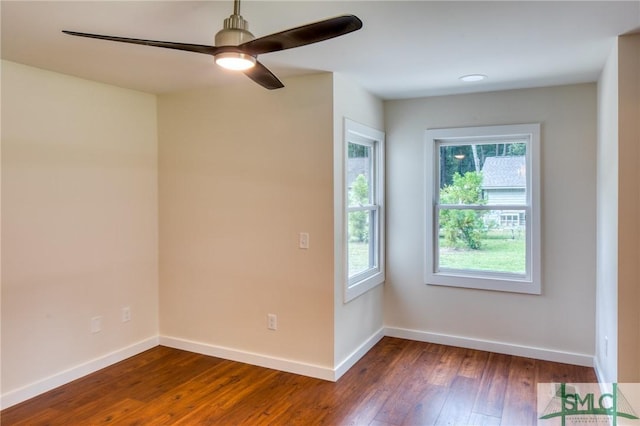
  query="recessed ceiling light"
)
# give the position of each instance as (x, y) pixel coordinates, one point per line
(473, 77)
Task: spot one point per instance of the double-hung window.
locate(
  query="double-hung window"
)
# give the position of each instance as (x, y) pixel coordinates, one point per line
(364, 213)
(483, 208)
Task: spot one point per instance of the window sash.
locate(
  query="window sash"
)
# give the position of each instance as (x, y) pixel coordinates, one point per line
(362, 208)
(373, 244)
(372, 179)
(482, 206)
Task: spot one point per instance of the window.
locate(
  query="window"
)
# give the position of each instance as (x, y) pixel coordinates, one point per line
(364, 195)
(483, 208)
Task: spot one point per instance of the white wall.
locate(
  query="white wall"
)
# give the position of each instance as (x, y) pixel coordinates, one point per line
(358, 322)
(618, 293)
(628, 208)
(79, 222)
(607, 225)
(561, 320)
(243, 170)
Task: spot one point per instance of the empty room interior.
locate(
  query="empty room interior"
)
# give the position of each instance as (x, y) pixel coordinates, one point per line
(452, 179)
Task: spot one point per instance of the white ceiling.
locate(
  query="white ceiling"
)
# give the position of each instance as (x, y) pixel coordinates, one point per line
(405, 48)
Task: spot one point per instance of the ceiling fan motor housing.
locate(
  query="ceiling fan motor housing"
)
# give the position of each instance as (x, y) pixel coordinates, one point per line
(234, 32)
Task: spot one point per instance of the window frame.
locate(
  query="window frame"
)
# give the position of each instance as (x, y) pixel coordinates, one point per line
(530, 282)
(364, 281)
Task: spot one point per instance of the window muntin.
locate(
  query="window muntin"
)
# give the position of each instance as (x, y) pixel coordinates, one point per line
(364, 195)
(482, 217)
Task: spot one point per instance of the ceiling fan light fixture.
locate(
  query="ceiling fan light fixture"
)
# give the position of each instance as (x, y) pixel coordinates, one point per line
(235, 61)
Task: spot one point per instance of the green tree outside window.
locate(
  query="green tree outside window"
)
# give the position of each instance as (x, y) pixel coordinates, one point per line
(463, 227)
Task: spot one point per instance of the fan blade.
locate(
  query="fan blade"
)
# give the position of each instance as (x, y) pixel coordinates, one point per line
(199, 48)
(265, 78)
(301, 36)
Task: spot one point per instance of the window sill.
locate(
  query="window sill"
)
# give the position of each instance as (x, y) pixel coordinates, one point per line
(361, 287)
(511, 284)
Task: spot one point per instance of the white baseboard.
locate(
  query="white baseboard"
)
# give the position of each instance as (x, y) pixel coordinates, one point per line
(355, 356)
(321, 372)
(34, 389)
(492, 346)
(281, 364)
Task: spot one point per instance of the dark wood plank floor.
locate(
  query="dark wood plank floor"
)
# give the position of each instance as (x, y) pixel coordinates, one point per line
(399, 382)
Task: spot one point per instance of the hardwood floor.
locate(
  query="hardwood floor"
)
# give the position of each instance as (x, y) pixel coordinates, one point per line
(399, 382)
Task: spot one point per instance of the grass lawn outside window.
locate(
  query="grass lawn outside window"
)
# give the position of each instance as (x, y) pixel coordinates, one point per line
(501, 250)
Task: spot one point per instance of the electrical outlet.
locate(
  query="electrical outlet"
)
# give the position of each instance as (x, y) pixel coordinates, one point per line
(126, 314)
(272, 321)
(96, 324)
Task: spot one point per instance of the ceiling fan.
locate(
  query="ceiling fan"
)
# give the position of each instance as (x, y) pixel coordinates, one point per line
(237, 49)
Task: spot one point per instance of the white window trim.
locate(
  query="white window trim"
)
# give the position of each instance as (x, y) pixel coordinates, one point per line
(529, 283)
(361, 283)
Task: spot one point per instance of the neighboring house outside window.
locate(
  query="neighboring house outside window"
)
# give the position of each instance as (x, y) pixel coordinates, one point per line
(483, 208)
(504, 182)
